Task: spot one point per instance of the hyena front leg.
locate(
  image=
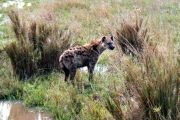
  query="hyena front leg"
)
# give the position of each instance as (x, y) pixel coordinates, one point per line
(90, 70)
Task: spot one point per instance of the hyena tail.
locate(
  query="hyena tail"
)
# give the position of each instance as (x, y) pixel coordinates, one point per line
(61, 66)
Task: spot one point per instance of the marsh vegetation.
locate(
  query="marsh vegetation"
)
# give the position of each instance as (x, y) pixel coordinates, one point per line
(141, 79)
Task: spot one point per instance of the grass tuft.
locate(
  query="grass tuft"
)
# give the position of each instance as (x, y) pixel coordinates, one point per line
(113, 105)
(37, 47)
(132, 35)
(156, 82)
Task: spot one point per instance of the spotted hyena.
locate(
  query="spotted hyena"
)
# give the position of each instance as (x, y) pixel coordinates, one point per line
(82, 56)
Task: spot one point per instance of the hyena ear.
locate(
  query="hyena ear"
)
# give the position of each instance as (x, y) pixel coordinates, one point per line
(103, 39)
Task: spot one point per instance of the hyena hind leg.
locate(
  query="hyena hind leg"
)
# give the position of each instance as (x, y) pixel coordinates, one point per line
(66, 72)
(72, 74)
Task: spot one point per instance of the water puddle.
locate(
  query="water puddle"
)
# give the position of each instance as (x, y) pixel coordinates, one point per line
(17, 111)
(98, 68)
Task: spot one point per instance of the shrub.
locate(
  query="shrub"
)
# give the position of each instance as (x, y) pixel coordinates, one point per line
(37, 47)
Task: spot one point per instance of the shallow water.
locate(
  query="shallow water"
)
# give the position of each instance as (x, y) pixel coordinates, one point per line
(98, 68)
(17, 111)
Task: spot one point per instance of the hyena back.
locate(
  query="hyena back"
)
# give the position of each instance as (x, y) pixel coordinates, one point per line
(82, 56)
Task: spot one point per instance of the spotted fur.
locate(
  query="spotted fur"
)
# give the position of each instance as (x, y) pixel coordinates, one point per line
(82, 56)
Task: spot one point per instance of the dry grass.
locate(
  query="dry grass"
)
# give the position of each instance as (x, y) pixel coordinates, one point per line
(37, 47)
(132, 35)
(154, 83)
(65, 4)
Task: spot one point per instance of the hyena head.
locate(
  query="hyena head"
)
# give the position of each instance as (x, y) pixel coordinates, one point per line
(107, 42)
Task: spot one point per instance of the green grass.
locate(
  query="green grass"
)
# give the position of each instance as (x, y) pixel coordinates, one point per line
(64, 101)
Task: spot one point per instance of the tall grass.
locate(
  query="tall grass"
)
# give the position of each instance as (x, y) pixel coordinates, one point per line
(156, 81)
(153, 81)
(37, 47)
(113, 105)
(132, 35)
(10, 88)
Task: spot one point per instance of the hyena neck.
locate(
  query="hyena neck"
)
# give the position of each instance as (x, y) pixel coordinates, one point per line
(99, 49)
(95, 46)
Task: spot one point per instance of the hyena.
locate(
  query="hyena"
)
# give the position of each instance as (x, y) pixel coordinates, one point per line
(82, 56)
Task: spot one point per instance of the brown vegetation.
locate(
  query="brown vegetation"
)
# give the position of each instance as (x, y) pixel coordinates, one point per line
(132, 35)
(37, 47)
(153, 82)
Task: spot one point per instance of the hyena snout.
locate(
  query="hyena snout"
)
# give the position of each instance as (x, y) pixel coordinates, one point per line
(111, 47)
